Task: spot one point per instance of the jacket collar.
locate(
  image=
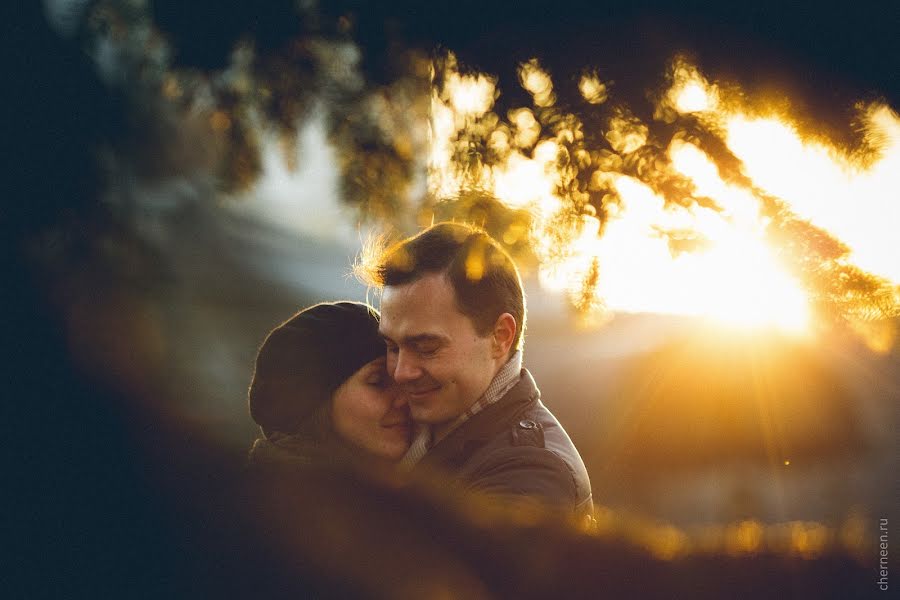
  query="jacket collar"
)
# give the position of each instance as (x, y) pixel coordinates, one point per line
(452, 451)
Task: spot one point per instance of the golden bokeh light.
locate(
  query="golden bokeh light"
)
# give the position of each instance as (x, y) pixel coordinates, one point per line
(470, 95)
(538, 83)
(742, 538)
(626, 134)
(524, 182)
(592, 89)
(528, 130)
(689, 92)
(692, 98)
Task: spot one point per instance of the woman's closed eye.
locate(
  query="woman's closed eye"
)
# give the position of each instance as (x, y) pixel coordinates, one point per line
(378, 379)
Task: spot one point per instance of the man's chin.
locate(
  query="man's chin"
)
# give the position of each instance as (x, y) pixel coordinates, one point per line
(420, 415)
(426, 416)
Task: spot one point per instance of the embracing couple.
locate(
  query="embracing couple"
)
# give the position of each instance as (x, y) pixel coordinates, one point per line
(434, 384)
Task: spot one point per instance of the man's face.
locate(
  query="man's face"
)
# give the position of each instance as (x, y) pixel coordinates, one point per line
(433, 350)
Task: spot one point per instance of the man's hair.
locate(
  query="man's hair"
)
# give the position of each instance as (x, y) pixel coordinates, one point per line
(484, 277)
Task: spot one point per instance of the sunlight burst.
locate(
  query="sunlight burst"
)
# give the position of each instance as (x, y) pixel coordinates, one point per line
(703, 247)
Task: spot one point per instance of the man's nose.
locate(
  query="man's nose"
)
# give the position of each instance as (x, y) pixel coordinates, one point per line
(407, 368)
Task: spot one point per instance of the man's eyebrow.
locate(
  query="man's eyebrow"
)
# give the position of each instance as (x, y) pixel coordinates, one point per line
(417, 339)
(423, 337)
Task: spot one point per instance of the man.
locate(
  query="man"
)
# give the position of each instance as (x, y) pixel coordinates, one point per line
(452, 316)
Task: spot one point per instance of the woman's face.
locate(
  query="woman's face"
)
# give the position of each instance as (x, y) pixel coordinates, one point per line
(369, 412)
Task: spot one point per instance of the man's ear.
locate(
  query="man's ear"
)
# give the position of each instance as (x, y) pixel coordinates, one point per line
(503, 336)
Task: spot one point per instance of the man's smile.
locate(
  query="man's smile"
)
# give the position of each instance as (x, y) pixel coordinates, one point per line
(420, 393)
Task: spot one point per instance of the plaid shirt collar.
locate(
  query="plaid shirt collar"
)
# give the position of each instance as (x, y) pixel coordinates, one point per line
(505, 379)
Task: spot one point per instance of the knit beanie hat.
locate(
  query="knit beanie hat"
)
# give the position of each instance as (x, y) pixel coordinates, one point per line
(306, 358)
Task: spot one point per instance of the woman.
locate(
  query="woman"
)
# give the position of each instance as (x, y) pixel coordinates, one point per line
(321, 393)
